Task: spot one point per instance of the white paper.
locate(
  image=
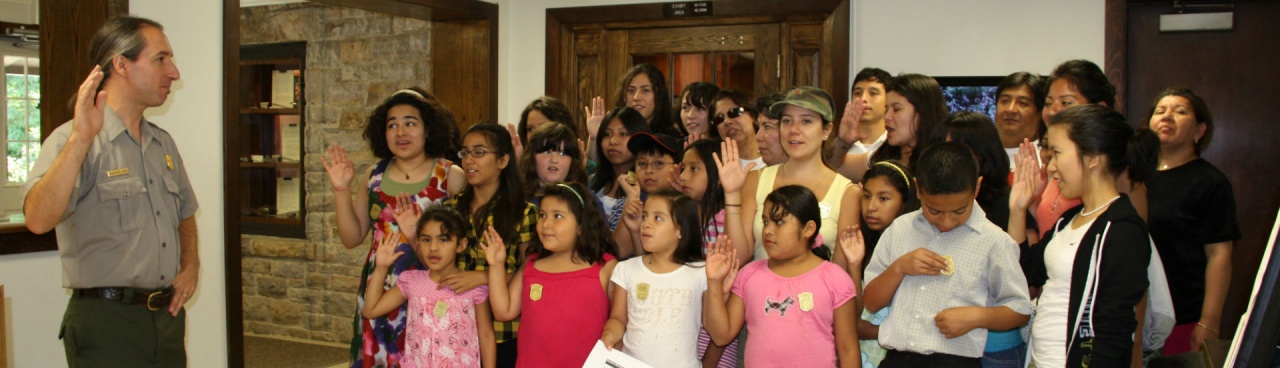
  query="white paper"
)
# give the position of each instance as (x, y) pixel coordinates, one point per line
(282, 89)
(290, 137)
(287, 192)
(602, 357)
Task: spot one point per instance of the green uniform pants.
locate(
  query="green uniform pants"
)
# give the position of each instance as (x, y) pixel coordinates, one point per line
(104, 333)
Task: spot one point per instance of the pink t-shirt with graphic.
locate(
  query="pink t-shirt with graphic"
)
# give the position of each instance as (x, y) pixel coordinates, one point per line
(441, 329)
(791, 319)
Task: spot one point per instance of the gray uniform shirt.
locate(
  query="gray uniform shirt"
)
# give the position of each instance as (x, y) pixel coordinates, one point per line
(120, 228)
(987, 274)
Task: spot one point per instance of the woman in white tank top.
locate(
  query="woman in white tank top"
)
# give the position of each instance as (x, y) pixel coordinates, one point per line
(805, 123)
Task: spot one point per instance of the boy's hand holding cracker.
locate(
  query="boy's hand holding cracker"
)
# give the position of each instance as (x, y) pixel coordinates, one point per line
(922, 262)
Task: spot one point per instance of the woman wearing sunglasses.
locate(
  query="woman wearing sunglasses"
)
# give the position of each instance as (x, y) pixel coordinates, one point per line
(734, 120)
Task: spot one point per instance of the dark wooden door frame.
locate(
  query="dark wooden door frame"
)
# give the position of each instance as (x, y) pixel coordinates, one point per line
(726, 12)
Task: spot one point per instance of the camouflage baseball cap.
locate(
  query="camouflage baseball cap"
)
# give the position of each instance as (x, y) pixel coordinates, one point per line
(807, 97)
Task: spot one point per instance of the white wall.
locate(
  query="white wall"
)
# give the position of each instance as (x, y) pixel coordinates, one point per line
(34, 302)
(943, 38)
(974, 37)
(193, 116)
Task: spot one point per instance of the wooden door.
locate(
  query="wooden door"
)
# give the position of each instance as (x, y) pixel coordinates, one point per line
(684, 54)
(1235, 72)
(773, 47)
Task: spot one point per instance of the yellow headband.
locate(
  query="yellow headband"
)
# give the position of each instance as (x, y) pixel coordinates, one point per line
(905, 178)
(575, 193)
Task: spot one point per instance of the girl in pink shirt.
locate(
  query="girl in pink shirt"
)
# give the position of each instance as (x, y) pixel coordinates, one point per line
(798, 307)
(442, 327)
(561, 293)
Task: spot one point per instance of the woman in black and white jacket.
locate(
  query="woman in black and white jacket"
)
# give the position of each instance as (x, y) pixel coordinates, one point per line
(1092, 263)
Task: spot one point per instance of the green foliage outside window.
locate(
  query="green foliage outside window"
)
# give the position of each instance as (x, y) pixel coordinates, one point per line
(22, 125)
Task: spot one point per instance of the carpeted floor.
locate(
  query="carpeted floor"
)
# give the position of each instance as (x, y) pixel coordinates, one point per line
(271, 352)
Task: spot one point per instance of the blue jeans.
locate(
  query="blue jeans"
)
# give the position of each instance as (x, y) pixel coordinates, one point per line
(1012, 358)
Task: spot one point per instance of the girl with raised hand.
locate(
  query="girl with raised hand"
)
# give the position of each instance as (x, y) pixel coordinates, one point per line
(805, 124)
(700, 180)
(1073, 83)
(552, 156)
(414, 137)
(494, 197)
(444, 328)
(1085, 262)
(792, 294)
(657, 297)
(612, 141)
(561, 294)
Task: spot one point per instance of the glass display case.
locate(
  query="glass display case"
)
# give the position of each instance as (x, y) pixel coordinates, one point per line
(270, 144)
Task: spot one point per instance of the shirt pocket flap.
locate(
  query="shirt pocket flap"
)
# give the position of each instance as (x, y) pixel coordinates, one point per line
(120, 189)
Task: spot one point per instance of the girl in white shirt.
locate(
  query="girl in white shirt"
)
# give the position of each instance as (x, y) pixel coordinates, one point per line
(657, 298)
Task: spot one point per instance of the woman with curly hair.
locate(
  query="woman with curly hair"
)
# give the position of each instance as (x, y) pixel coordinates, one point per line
(415, 138)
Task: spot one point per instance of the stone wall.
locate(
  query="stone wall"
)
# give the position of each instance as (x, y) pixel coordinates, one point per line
(307, 288)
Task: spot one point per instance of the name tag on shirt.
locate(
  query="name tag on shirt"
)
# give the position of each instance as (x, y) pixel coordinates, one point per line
(117, 172)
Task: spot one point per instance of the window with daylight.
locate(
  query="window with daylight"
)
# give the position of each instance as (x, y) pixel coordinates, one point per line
(21, 124)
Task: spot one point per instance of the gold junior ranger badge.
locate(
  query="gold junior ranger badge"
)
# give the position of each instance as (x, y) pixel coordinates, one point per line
(168, 161)
(806, 301)
(642, 291)
(951, 266)
(535, 292)
(441, 308)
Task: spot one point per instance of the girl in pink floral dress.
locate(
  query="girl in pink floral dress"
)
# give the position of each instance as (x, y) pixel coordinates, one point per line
(442, 326)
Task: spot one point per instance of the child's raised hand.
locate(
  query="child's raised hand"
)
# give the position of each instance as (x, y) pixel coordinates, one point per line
(630, 186)
(852, 245)
(407, 213)
(387, 253)
(921, 262)
(632, 215)
(734, 266)
(955, 322)
(693, 137)
(495, 252)
(732, 174)
(720, 258)
(517, 146)
(673, 177)
(595, 115)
